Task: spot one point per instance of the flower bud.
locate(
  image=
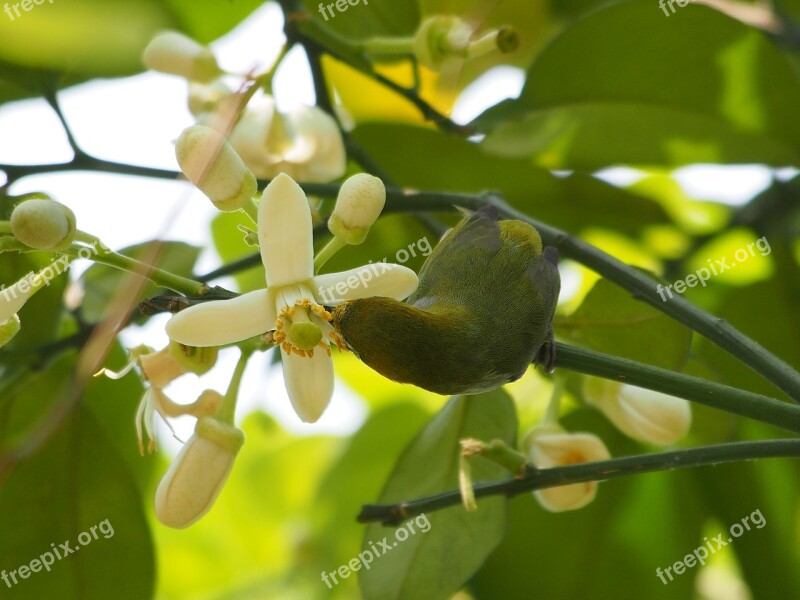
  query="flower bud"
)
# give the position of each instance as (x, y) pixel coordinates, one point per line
(195, 478)
(174, 53)
(43, 224)
(8, 329)
(360, 202)
(642, 414)
(209, 162)
(439, 37)
(550, 446)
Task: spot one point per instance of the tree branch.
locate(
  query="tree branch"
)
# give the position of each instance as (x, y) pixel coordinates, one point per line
(535, 479)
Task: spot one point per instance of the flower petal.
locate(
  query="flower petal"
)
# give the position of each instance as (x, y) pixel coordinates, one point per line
(309, 383)
(378, 279)
(224, 321)
(284, 232)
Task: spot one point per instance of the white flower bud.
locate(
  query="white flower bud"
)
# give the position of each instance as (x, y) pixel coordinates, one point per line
(43, 224)
(359, 204)
(8, 329)
(642, 414)
(174, 53)
(195, 478)
(550, 446)
(213, 165)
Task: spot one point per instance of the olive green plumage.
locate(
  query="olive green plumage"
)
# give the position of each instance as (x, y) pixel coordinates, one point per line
(482, 313)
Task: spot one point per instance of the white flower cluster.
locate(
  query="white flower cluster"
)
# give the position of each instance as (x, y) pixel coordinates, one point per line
(305, 142)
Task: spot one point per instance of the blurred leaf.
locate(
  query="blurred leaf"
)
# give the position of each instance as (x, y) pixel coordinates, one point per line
(373, 18)
(356, 478)
(436, 563)
(723, 94)
(610, 320)
(434, 161)
(65, 43)
(102, 283)
(74, 482)
(206, 20)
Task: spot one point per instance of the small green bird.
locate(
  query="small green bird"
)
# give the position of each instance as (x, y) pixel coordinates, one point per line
(482, 313)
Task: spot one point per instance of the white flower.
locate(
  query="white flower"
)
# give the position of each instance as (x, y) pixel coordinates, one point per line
(360, 202)
(550, 446)
(291, 305)
(174, 53)
(305, 143)
(209, 162)
(196, 476)
(642, 414)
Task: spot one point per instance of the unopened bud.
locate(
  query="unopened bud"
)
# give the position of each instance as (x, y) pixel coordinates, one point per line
(642, 414)
(360, 202)
(209, 162)
(43, 224)
(196, 476)
(174, 53)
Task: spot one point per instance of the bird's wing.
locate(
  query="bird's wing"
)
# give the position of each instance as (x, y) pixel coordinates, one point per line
(478, 233)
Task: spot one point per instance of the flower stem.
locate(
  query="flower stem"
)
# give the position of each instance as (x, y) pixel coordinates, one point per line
(535, 479)
(400, 47)
(227, 409)
(162, 278)
(327, 253)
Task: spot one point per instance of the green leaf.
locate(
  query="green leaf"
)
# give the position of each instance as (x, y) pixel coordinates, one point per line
(207, 20)
(102, 283)
(722, 93)
(436, 563)
(42, 315)
(434, 161)
(367, 19)
(610, 320)
(75, 481)
(356, 478)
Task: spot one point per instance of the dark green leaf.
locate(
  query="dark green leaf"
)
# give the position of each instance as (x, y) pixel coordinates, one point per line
(436, 563)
